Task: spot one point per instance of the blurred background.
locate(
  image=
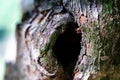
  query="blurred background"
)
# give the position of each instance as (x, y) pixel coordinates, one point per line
(10, 16)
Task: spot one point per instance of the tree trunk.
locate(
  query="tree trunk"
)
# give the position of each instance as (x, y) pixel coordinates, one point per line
(66, 40)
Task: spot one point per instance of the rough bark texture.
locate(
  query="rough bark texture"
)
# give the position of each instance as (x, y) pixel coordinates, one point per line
(110, 50)
(36, 36)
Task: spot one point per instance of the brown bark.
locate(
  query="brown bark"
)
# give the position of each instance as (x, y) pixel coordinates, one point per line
(38, 35)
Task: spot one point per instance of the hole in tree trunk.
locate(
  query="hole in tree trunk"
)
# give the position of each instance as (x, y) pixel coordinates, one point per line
(67, 47)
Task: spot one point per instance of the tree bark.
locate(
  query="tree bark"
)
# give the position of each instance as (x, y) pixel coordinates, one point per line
(42, 39)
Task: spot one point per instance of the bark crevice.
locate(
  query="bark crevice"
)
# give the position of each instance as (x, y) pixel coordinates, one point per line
(67, 47)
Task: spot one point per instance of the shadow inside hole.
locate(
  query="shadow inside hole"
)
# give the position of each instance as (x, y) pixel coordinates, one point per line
(67, 47)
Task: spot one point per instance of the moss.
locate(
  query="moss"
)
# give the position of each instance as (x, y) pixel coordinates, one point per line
(48, 55)
(56, 34)
(86, 29)
(110, 42)
(43, 51)
(53, 38)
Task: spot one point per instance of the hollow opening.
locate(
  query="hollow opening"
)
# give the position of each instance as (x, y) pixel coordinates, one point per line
(67, 47)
